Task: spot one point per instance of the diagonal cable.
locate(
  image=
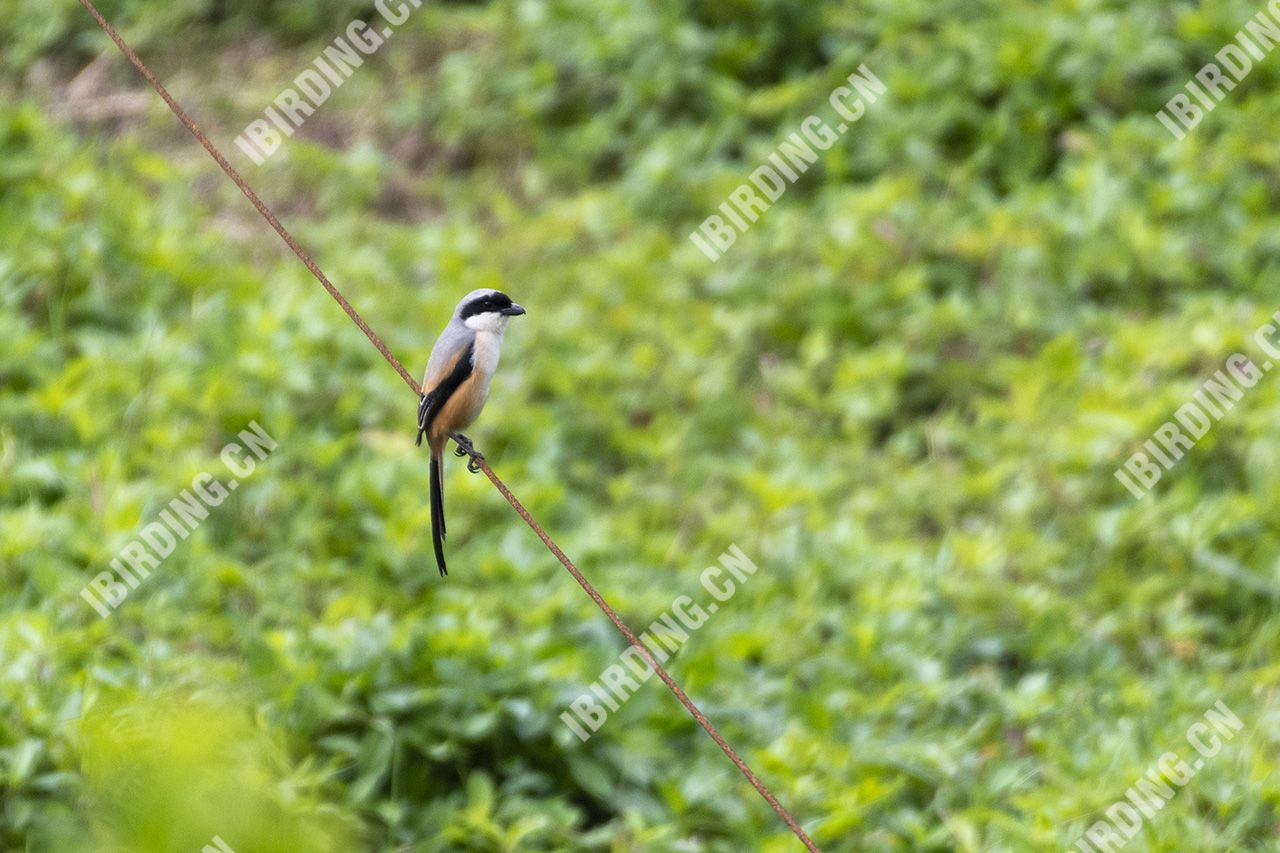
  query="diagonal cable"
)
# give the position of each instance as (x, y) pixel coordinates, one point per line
(590, 590)
(250, 194)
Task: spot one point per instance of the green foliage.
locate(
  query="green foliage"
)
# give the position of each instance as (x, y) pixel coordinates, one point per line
(902, 393)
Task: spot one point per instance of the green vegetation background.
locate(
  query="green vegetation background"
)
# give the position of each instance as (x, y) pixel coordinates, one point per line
(902, 393)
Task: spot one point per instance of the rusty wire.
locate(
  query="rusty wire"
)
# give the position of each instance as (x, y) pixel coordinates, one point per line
(377, 341)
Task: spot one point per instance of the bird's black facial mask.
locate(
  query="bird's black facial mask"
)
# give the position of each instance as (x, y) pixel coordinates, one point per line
(496, 302)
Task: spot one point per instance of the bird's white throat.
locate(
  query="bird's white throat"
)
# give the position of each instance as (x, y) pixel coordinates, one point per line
(488, 349)
(489, 321)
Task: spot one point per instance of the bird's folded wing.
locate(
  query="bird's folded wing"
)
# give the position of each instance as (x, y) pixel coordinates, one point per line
(437, 395)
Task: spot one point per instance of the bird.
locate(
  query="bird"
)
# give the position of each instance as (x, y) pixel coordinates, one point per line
(456, 385)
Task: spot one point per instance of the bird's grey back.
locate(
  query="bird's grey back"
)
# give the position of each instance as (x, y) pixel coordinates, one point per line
(456, 336)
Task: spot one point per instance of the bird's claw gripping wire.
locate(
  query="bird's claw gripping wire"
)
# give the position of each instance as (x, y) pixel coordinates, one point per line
(466, 448)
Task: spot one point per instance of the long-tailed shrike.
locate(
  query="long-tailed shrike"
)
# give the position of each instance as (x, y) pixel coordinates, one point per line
(456, 385)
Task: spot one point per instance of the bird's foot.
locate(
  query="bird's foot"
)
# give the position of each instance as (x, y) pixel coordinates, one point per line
(466, 448)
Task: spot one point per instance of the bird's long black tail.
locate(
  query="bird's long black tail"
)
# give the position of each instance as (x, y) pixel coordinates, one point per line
(437, 509)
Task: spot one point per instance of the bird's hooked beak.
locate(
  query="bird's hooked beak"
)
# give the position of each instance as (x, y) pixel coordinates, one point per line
(514, 311)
